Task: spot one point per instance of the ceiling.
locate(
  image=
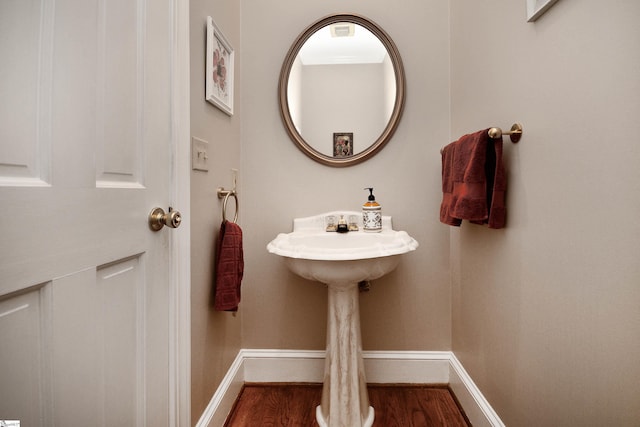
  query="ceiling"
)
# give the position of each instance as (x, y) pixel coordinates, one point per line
(359, 47)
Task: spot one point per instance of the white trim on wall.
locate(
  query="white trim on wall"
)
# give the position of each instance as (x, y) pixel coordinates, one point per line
(476, 407)
(180, 242)
(418, 367)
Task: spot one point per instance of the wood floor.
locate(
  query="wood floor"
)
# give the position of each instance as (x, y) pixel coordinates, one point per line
(266, 405)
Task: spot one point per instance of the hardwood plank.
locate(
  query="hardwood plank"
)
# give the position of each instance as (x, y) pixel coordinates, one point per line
(414, 406)
(276, 405)
(293, 404)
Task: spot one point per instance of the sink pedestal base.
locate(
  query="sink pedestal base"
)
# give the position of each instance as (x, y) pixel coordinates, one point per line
(345, 402)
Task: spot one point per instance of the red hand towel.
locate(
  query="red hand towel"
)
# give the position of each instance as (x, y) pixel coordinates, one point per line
(229, 267)
(473, 181)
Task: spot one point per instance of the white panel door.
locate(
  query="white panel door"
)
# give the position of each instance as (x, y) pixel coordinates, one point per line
(87, 133)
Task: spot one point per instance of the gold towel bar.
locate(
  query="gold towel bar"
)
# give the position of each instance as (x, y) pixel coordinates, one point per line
(514, 134)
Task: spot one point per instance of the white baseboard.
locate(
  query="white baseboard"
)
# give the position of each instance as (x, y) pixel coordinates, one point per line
(418, 367)
(475, 406)
(223, 399)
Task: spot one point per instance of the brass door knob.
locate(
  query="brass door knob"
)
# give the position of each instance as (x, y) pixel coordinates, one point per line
(158, 218)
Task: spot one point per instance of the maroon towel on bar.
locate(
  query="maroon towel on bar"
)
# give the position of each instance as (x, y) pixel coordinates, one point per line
(473, 181)
(229, 267)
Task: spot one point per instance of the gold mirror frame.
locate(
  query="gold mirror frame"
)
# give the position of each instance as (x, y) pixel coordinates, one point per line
(398, 107)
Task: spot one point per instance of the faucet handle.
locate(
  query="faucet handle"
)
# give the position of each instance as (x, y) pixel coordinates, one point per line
(330, 222)
(353, 223)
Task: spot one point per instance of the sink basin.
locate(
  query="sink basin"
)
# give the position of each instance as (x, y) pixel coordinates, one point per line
(329, 246)
(341, 260)
(311, 252)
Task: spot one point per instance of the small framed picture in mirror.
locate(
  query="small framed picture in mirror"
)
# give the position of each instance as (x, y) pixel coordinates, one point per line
(343, 144)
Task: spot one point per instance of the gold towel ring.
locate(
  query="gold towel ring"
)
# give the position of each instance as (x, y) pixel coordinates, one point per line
(224, 194)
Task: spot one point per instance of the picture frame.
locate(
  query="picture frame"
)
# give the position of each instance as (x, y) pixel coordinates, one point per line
(219, 69)
(343, 144)
(535, 8)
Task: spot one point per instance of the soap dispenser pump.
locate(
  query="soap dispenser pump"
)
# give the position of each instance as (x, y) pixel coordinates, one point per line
(371, 214)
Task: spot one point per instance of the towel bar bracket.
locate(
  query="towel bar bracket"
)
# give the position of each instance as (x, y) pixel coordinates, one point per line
(515, 133)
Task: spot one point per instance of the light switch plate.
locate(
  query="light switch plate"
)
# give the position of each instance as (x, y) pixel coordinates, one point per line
(199, 154)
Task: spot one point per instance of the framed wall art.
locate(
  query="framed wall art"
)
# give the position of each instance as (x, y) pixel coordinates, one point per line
(219, 69)
(343, 144)
(535, 8)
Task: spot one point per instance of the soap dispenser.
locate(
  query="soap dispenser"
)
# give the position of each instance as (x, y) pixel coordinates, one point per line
(372, 214)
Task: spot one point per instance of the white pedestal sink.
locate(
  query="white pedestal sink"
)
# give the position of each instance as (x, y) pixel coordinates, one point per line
(341, 260)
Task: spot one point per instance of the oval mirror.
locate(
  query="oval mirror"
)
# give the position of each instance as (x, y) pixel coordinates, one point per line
(341, 90)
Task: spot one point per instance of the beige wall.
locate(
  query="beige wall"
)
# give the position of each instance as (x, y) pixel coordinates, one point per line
(546, 313)
(410, 308)
(215, 337)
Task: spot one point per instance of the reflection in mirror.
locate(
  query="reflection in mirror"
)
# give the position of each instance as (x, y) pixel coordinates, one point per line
(342, 81)
(342, 90)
